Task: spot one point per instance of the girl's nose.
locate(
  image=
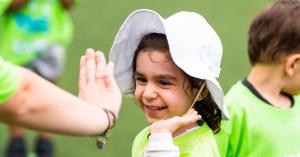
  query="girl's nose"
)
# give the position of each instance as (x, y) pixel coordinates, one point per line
(149, 92)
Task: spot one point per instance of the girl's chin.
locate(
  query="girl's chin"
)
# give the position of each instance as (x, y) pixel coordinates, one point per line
(152, 120)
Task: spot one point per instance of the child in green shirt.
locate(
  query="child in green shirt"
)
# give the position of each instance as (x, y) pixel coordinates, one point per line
(35, 34)
(265, 107)
(171, 65)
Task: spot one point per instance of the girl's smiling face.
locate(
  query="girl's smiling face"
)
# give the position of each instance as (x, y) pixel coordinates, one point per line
(160, 86)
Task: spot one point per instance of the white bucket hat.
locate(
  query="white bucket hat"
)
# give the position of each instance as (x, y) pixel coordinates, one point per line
(194, 47)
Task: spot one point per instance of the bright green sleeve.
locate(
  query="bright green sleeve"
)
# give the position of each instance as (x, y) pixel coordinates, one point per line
(4, 5)
(222, 138)
(9, 80)
(140, 142)
(228, 139)
(231, 136)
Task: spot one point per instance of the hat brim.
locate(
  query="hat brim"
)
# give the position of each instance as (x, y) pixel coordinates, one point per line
(138, 24)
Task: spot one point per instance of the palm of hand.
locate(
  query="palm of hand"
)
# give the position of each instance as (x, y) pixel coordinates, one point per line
(175, 124)
(96, 82)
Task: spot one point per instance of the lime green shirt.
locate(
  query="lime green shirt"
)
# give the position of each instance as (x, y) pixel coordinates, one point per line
(9, 80)
(258, 129)
(197, 143)
(4, 5)
(32, 29)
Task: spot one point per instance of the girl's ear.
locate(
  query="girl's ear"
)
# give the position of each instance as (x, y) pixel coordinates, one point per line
(203, 94)
(290, 64)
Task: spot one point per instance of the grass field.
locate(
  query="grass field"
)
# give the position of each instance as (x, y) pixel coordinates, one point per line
(97, 22)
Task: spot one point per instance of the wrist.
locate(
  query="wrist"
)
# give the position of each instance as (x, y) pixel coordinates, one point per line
(101, 139)
(157, 127)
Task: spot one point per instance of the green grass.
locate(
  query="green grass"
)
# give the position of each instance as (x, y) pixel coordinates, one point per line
(96, 24)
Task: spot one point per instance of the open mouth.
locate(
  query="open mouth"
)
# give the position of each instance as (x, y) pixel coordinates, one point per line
(155, 108)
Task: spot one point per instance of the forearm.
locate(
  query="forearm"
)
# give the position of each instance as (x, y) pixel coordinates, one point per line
(40, 105)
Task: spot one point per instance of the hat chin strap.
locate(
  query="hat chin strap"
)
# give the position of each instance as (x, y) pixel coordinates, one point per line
(198, 94)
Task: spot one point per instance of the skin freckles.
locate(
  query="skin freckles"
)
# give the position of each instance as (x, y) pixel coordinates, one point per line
(160, 86)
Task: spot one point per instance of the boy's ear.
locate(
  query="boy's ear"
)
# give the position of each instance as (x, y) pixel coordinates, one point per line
(290, 63)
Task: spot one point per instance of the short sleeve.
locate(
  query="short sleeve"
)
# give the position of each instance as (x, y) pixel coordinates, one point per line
(9, 80)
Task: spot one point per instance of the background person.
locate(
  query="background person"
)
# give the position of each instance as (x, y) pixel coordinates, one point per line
(35, 35)
(265, 106)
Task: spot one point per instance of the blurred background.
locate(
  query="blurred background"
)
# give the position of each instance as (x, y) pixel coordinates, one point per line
(96, 24)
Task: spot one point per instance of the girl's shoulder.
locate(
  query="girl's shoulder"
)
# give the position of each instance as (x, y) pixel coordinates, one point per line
(198, 142)
(142, 135)
(140, 142)
(195, 134)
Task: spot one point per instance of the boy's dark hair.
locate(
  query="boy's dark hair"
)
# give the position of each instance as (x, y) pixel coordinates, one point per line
(207, 108)
(275, 32)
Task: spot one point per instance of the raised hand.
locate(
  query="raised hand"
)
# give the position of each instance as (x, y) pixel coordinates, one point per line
(96, 82)
(175, 123)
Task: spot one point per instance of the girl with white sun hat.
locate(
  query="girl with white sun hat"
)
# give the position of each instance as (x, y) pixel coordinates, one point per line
(171, 66)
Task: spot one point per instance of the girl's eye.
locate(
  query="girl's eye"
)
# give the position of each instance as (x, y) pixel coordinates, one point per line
(140, 79)
(164, 83)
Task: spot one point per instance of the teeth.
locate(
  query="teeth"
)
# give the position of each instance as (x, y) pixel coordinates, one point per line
(154, 107)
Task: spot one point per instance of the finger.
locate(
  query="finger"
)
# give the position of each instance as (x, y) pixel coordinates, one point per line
(188, 112)
(100, 67)
(191, 116)
(192, 113)
(190, 119)
(88, 51)
(110, 80)
(82, 72)
(90, 66)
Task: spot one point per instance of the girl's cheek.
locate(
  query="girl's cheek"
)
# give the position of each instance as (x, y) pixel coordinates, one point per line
(137, 94)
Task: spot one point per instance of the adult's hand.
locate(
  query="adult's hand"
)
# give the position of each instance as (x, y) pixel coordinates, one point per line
(97, 84)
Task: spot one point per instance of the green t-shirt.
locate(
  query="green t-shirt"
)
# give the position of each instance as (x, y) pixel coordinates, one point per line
(33, 29)
(197, 143)
(4, 5)
(258, 129)
(9, 80)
